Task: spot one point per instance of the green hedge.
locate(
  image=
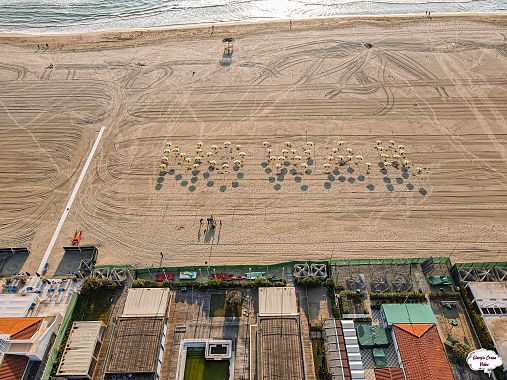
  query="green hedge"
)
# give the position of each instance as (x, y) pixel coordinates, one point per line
(399, 297)
(212, 284)
(447, 295)
(331, 287)
(480, 328)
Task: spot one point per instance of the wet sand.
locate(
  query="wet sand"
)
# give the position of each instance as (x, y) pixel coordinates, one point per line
(437, 87)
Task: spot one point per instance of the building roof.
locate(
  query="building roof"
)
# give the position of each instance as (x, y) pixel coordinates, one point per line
(19, 328)
(371, 335)
(280, 353)
(389, 374)
(80, 347)
(408, 313)
(13, 367)
(15, 305)
(277, 301)
(497, 327)
(489, 294)
(135, 345)
(422, 353)
(144, 302)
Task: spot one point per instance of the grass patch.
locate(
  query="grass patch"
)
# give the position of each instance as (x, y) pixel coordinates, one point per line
(219, 309)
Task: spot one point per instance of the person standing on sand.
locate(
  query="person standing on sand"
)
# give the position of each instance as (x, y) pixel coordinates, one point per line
(212, 29)
(290, 23)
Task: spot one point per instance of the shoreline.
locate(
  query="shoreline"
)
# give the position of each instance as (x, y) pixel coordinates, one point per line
(245, 27)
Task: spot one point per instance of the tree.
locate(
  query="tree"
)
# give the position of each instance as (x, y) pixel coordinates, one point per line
(233, 301)
(461, 351)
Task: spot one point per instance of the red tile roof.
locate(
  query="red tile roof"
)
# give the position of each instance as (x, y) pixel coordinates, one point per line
(13, 367)
(389, 374)
(19, 328)
(422, 352)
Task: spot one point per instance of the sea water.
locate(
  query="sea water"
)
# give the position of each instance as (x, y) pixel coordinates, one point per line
(70, 16)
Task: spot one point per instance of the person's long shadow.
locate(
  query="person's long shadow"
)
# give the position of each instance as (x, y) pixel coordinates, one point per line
(209, 235)
(199, 233)
(219, 231)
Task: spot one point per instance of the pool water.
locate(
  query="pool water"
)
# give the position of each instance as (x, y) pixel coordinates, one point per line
(198, 368)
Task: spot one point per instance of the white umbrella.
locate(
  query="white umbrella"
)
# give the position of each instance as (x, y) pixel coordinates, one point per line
(330, 158)
(169, 144)
(199, 144)
(269, 152)
(378, 142)
(285, 152)
(163, 166)
(349, 150)
(242, 154)
(227, 144)
(209, 154)
(197, 158)
(387, 164)
(225, 166)
(237, 162)
(167, 151)
(392, 142)
(278, 166)
(196, 166)
(297, 158)
(176, 150)
(336, 150)
(281, 158)
(293, 151)
(304, 166)
(401, 147)
(198, 150)
(214, 147)
(265, 144)
(368, 164)
(288, 144)
(212, 163)
(309, 143)
(350, 157)
(340, 143)
(164, 159)
(308, 152)
(238, 147)
(360, 158)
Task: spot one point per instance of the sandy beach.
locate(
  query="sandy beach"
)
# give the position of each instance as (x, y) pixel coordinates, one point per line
(437, 87)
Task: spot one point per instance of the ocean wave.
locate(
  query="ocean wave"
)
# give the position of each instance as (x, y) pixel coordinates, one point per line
(64, 16)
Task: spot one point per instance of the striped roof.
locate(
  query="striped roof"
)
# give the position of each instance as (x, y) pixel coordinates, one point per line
(422, 353)
(13, 367)
(389, 374)
(19, 328)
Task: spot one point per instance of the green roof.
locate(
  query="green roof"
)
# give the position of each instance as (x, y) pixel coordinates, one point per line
(370, 336)
(379, 357)
(440, 280)
(408, 313)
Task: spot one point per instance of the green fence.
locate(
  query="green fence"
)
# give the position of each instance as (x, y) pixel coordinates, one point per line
(224, 268)
(389, 261)
(53, 354)
(500, 264)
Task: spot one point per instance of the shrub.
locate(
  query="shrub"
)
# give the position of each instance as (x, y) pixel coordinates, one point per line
(461, 351)
(447, 295)
(233, 301)
(309, 282)
(91, 284)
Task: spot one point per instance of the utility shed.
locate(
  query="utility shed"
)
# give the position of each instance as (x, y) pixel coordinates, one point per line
(16, 305)
(371, 336)
(407, 313)
(81, 351)
(146, 302)
(277, 302)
